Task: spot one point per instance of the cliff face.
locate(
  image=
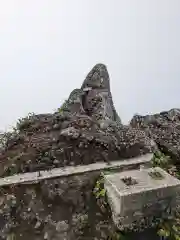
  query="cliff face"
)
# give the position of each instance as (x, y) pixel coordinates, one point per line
(86, 129)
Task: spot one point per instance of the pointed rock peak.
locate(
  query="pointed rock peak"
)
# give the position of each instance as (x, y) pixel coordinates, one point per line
(98, 77)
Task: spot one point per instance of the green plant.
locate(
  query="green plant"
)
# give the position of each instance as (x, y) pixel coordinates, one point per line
(164, 161)
(63, 106)
(170, 228)
(99, 190)
(161, 160)
(23, 122)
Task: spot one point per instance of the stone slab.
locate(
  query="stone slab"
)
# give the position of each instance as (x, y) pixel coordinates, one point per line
(35, 177)
(147, 197)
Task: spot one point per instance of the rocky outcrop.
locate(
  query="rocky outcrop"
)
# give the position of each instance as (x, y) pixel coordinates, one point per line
(86, 129)
(164, 129)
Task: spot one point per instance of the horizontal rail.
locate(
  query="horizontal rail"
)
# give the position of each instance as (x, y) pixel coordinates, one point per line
(35, 177)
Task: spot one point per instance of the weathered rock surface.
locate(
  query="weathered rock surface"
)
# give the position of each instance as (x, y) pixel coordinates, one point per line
(86, 129)
(164, 129)
(98, 99)
(54, 209)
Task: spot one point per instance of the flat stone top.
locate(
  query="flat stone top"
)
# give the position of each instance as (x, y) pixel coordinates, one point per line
(141, 181)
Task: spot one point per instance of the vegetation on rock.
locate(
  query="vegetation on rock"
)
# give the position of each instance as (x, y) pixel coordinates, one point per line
(169, 227)
(84, 130)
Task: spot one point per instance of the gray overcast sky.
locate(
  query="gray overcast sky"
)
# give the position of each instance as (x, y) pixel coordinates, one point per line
(48, 46)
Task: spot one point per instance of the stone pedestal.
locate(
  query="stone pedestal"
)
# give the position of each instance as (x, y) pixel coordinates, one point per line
(139, 197)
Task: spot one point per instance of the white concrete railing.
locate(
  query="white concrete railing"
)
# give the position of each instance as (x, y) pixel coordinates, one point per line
(34, 177)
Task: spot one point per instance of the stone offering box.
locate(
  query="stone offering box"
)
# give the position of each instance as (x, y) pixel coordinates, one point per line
(139, 197)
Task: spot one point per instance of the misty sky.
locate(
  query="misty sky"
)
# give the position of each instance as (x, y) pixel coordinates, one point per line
(48, 46)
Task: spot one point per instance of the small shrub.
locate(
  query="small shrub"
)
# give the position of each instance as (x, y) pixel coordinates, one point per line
(161, 160)
(99, 190)
(63, 107)
(169, 227)
(25, 122)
